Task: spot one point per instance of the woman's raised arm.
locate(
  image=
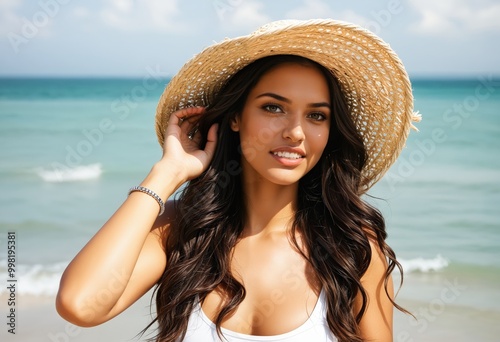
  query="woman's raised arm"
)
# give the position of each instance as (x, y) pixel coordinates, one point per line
(125, 258)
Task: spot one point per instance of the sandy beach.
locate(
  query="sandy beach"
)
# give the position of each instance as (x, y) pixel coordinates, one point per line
(458, 324)
(37, 321)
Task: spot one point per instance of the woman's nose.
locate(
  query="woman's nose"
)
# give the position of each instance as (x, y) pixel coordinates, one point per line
(293, 131)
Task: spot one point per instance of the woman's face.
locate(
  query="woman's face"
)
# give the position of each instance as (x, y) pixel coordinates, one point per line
(284, 124)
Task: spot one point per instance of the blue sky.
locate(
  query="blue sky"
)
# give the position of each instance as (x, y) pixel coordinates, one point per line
(434, 38)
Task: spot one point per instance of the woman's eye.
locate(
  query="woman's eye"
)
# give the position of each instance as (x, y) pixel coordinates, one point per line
(273, 108)
(317, 116)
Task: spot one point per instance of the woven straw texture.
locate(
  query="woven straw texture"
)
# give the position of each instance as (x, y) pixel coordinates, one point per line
(372, 77)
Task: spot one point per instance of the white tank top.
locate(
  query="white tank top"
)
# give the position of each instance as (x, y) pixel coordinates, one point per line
(202, 329)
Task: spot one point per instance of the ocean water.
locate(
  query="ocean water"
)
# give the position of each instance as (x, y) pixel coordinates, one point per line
(71, 148)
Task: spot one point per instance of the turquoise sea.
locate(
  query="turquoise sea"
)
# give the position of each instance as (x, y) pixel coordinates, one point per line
(71, 148)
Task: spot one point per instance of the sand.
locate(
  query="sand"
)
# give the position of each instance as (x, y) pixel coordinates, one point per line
(37, 320)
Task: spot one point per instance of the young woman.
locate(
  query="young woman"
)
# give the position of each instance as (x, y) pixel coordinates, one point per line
(276, 135)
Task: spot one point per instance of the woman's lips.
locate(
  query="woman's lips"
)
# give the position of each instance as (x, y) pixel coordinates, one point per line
(288, 156)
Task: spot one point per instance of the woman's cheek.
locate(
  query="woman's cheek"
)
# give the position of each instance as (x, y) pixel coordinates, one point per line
(248, 150)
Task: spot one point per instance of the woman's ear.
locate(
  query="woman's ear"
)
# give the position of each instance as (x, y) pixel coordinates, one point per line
(235, 124)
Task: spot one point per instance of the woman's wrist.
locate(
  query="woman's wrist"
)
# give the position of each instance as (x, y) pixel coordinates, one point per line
(164, 179)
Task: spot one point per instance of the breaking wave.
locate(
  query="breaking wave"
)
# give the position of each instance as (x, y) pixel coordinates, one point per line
(79, 173)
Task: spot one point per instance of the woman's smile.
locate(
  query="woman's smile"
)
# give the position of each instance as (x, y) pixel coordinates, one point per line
(288, 156)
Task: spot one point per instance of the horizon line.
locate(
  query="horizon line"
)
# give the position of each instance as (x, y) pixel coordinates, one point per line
(416, 77)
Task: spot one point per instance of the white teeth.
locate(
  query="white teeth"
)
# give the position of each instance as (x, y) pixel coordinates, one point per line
(288, 155)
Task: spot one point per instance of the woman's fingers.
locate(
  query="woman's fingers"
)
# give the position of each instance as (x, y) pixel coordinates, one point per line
(183, 125)
(183, 138)
(211, 140)
(178, 117)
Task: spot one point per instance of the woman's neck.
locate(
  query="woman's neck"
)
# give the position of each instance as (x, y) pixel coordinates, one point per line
(269, 207)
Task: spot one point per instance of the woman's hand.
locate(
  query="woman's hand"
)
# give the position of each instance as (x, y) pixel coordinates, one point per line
(181, 147)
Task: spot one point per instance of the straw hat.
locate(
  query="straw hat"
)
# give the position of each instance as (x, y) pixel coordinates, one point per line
(374, 81)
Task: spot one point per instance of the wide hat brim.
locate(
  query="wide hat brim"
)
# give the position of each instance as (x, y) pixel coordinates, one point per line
(372, 77)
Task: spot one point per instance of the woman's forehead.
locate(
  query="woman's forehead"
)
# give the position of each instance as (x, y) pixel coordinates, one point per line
(293, 81)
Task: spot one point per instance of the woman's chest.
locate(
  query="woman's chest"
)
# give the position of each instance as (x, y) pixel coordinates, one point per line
(281, 290)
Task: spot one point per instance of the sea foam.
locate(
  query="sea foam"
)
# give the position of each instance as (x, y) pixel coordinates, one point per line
(79, 173)
(43, 280)
(35, 280)
(423, 265)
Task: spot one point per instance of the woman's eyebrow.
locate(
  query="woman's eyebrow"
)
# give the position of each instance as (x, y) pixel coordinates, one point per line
(276, 96)
(284, 99)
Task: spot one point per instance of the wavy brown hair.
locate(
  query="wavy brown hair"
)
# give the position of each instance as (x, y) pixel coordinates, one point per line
(332, 219)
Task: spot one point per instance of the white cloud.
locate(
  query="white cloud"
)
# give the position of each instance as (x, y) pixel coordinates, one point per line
(81, 12)
(10, 21)
(448, 17)
(21, 25)
(244, 15)
(145, 15)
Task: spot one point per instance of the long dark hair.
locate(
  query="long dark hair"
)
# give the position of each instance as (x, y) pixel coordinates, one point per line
(333, 221)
